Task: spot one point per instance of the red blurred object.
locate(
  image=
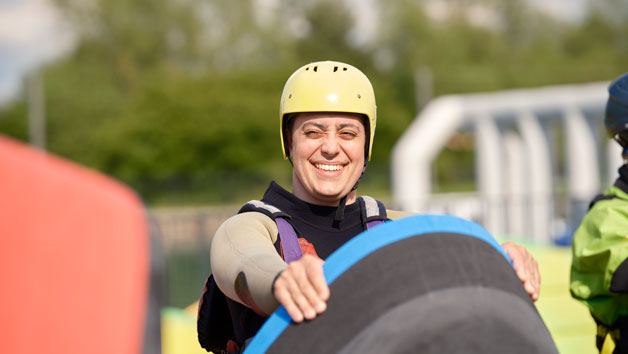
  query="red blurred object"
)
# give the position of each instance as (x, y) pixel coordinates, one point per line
(74, 257)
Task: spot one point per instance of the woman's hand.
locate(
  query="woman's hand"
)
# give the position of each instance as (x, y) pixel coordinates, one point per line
(301, 288)
(526, 267)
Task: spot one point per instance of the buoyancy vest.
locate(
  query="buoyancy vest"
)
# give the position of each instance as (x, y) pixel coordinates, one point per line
(612, 338)
(292, 247)
(215, 327)
(619, 183)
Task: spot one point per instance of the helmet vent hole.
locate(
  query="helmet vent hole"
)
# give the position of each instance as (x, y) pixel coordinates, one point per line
(359, 96)
(335, 68)
(308, 68)
(344, 69)
(290, 96)
(316, 69)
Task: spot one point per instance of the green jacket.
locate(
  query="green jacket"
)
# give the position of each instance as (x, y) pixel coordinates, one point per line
(600, 246)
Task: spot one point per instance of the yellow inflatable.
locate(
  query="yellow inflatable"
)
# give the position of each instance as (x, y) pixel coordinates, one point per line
(178, 331)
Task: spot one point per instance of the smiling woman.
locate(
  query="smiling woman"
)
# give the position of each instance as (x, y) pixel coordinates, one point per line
(273, 251)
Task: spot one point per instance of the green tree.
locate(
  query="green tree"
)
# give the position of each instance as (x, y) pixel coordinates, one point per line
(179, 99)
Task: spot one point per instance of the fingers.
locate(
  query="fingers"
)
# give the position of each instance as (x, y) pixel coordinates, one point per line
(317, 278)
(307, 298)
(301, 288)
(526, 267)
(283, 289)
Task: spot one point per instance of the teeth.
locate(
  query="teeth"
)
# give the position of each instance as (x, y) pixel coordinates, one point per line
(329, 167)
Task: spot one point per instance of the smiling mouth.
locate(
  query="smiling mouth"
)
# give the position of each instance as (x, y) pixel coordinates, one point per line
(325, 167)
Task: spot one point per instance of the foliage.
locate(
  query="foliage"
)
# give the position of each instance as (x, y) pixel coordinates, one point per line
(179, 99)
(183, 132)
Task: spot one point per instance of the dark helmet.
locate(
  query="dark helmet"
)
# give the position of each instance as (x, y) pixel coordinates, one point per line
(616, 117)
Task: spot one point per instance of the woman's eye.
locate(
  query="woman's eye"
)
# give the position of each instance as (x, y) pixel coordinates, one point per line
(348, 135)
(312, 133)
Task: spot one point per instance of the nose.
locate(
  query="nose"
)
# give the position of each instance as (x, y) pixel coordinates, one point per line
(330, 147)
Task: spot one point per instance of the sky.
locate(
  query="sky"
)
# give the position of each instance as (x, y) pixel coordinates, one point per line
(32, 33)
(563, 9)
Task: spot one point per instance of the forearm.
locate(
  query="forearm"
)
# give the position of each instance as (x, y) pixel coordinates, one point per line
(244, 260)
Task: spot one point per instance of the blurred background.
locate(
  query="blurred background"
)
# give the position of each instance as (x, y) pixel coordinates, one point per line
(179, 99)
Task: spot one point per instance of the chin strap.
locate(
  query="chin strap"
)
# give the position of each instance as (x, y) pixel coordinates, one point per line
(340, 212)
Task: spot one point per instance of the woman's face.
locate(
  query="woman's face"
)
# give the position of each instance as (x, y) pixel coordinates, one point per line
(327, 150)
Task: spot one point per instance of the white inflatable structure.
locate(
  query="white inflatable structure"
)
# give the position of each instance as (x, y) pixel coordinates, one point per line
(517, 163)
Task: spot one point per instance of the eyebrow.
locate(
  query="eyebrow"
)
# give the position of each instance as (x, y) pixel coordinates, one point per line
(317, 125)
(324, 127)
(349, 125)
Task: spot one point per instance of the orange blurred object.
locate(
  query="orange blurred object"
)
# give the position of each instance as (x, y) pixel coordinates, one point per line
(74, 258)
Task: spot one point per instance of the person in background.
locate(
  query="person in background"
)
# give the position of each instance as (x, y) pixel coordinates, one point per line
(599, 271)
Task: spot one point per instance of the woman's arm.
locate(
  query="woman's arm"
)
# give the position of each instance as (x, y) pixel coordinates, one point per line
(244, 260)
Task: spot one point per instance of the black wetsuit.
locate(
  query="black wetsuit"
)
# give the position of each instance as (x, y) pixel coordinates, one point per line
(317, 225)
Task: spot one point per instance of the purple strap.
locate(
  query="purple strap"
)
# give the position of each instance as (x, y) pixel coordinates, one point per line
(289, 242)
(372, 224)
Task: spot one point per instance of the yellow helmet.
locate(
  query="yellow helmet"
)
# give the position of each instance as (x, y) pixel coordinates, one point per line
(328, 86)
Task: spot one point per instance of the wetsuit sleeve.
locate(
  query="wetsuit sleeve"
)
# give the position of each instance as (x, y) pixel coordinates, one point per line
(600, 247)
(244, 261)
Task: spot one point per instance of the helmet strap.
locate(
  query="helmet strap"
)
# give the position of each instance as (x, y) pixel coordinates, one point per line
(340, 212)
